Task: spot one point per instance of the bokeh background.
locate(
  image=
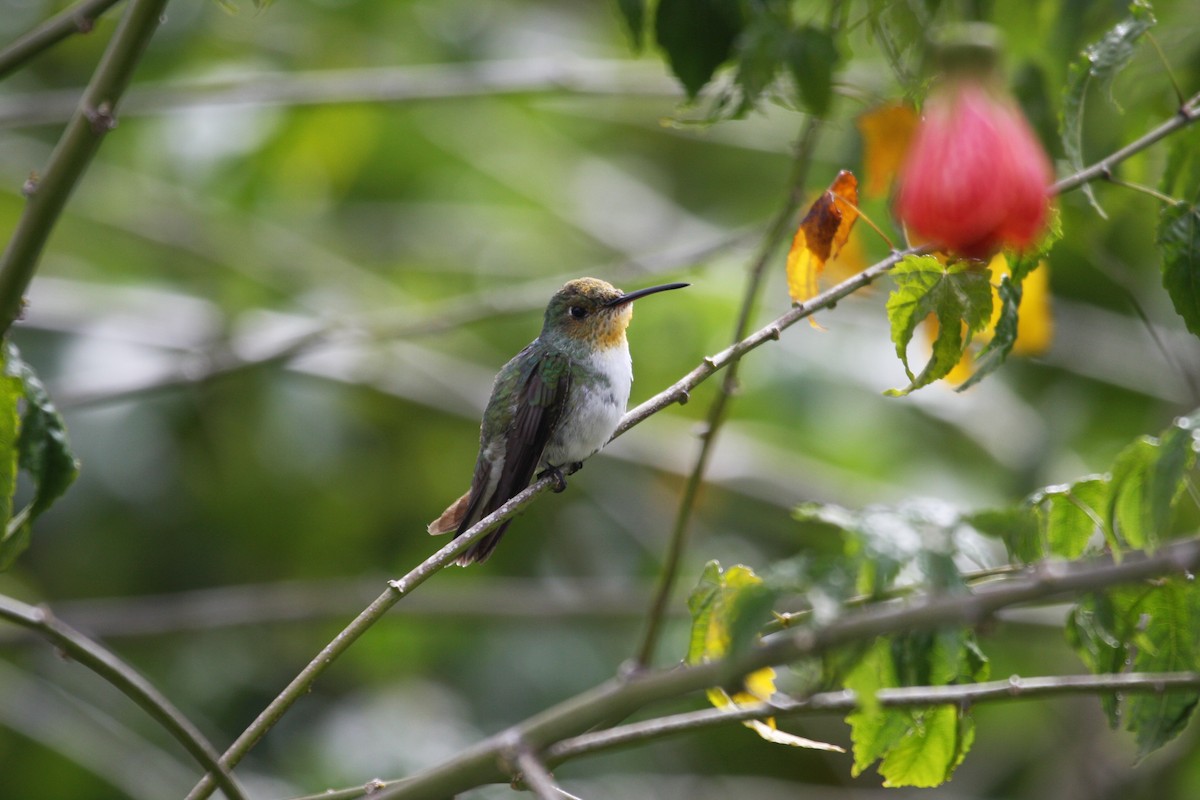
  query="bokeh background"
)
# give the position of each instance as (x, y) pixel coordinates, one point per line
(273, 309)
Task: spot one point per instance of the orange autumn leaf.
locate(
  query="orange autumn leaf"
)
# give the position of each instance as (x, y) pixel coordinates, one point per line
(886, 132)
(821, 235)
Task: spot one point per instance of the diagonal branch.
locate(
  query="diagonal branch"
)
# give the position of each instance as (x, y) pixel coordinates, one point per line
(530, 770)
(94, 116)
(126, 679)
(846, 700)
(76, 19)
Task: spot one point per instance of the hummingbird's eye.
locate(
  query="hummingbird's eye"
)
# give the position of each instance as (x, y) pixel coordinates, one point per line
(578, 312)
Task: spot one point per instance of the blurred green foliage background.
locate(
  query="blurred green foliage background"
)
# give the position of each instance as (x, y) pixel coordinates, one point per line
(411, 181)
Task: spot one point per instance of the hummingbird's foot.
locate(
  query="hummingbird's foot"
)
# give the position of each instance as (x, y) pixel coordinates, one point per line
(551, 471)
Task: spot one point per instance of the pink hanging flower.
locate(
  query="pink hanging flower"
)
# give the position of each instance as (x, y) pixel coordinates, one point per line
(976, 178)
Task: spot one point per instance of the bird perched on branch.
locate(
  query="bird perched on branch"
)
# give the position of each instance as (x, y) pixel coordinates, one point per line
(553, 405)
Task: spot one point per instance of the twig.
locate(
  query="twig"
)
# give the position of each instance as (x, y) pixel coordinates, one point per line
(94, 116)
(480, 760)
(479, 763)
(76, 19)
(775, 236)
(845, 701)
(127, 680)
(530, 770)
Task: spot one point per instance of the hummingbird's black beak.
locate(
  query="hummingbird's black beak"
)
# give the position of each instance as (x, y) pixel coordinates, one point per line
(631, 296)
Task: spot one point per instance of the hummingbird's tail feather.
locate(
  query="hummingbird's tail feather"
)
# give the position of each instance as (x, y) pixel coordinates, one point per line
(481, 550)
(451, 518)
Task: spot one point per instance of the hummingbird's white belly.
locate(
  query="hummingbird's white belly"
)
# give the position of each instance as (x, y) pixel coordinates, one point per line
(598, 397)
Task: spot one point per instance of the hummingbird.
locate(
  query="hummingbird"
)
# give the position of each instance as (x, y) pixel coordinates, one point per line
(554, 404)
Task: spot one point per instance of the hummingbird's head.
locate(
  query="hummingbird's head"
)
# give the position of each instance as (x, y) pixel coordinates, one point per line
(594, 311)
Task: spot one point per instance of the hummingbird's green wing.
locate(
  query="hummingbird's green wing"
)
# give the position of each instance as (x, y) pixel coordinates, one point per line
(536, 400)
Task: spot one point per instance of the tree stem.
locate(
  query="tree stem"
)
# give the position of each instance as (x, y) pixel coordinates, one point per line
(94, 116)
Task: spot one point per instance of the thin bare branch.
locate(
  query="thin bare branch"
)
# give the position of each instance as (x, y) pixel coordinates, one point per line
(79, 18)
(530, 770)
(127, 680)
(94, 116)
(845, 701)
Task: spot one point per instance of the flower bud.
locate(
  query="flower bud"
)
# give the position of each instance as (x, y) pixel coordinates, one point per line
(975, 178)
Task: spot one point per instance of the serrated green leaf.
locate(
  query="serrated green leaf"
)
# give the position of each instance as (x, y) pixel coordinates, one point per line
(41, 450)
(1148, 478)
(811, 56)
(1178, 240)
(1128, 513)
(1169, 618)
(934, 745)
(697, 37)
(1071, 515)
(1100, 61)
(701, 603)
(1142, 628)
(915, 747)
(633, 12)
(959, 296)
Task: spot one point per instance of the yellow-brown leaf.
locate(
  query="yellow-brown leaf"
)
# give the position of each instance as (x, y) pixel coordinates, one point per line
(821, 235)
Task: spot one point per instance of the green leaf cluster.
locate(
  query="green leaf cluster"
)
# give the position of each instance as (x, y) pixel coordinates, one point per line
(914, 746)
(958, 296)
(33, 439)
(1132, 506)
(1151, 627)
(760, 38)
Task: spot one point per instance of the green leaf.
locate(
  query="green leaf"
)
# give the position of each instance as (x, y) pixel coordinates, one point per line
(915, 747)
(633, 12)
(1168, 644)
(936, 742)
(958, 296)
(42, 450)
(1100, 61)
(697, 36)
(1070, 515)
(1148, 478)
(1142, 628)
(811, 56)
(728, 608)
(1178, 239)
(701, 603)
